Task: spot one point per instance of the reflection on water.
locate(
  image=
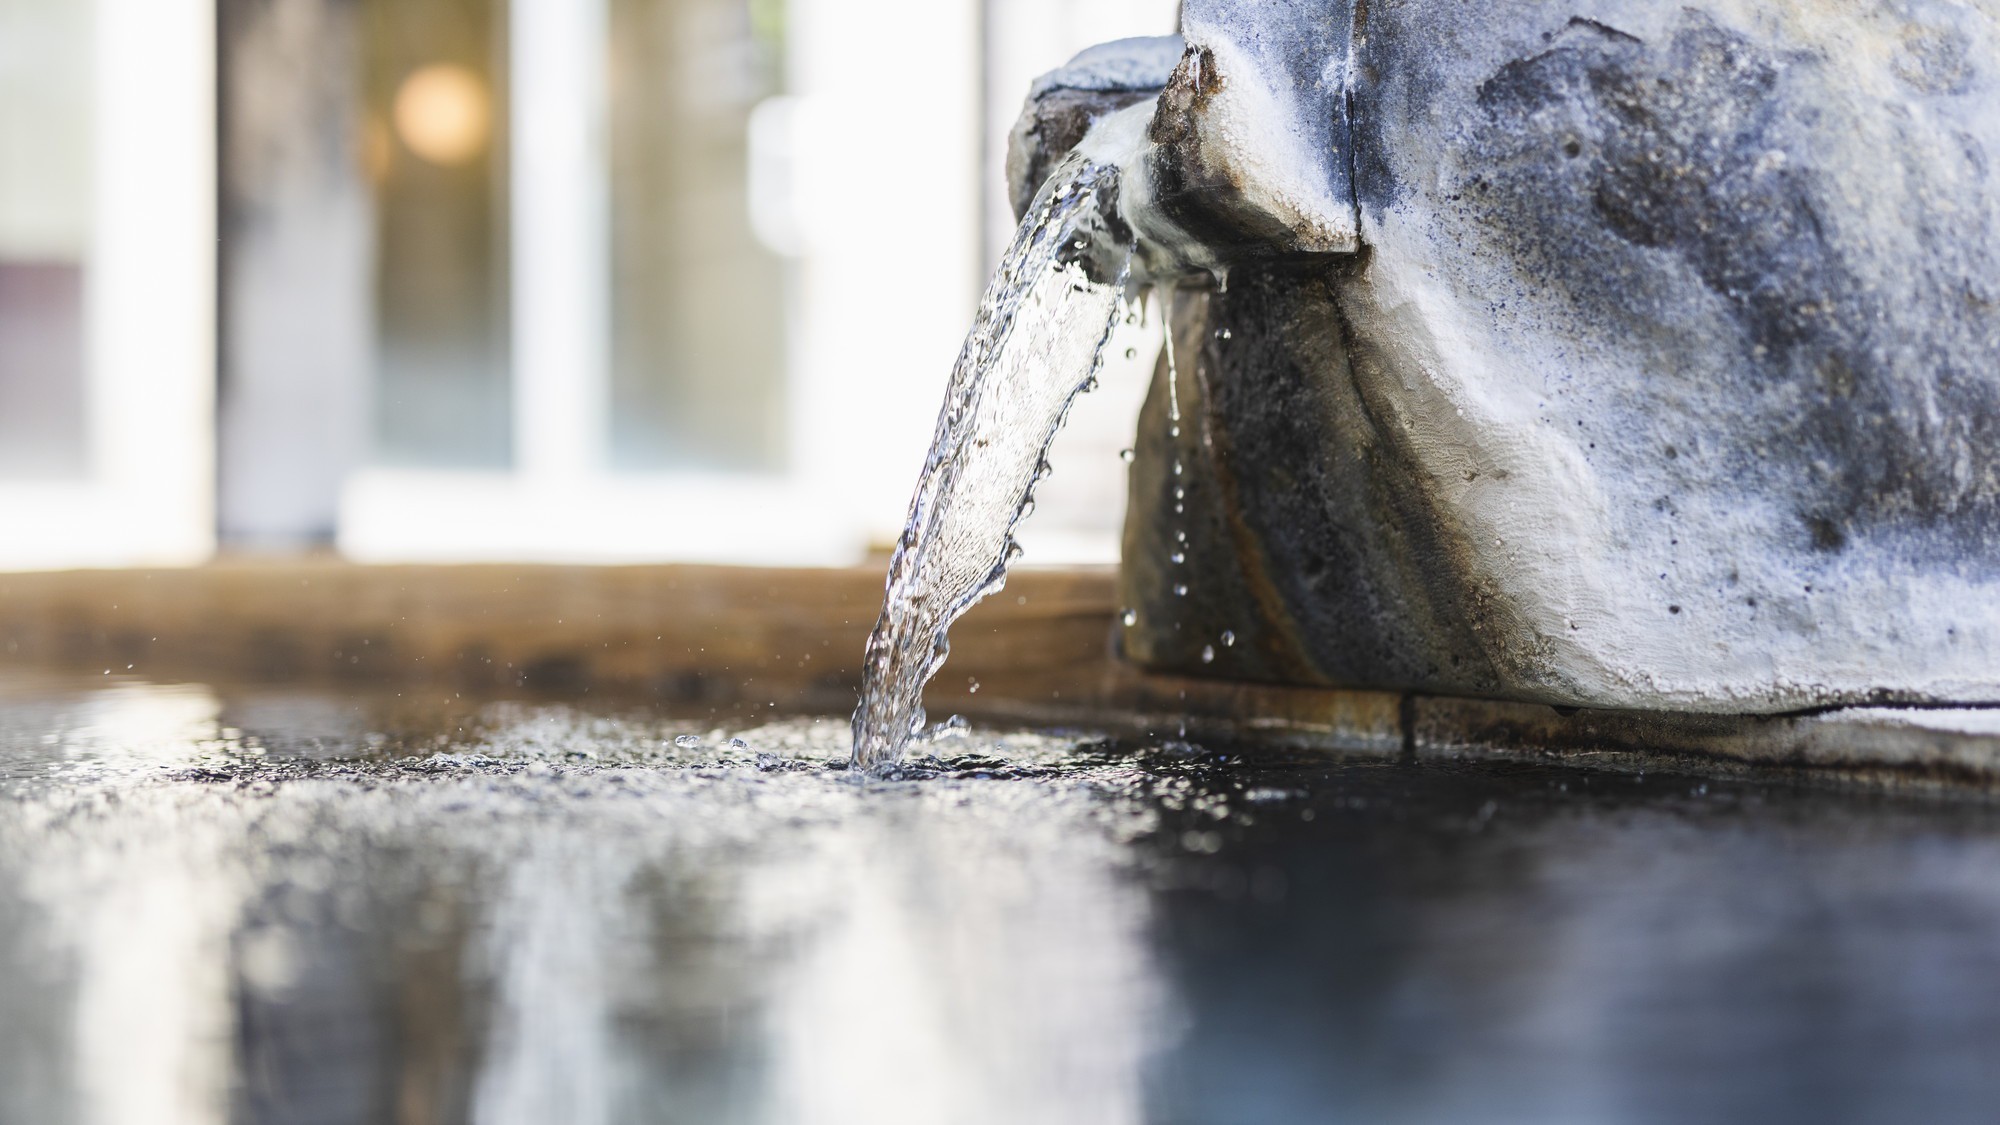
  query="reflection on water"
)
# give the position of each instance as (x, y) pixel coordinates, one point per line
(304, 908)
(557, 917)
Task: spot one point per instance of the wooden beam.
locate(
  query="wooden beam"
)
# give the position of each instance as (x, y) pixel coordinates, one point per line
(740, 640)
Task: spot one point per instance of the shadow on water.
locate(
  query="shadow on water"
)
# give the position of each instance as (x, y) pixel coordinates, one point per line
(262, 907)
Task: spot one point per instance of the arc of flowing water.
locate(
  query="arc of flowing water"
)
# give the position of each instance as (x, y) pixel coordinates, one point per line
(1036, 343)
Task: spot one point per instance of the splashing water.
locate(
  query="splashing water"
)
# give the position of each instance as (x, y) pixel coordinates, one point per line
(1037, 343)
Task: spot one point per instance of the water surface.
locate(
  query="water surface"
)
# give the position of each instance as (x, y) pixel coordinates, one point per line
(259, 906)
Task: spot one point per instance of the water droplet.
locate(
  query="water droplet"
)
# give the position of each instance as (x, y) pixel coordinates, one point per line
(738, 744)
(1180, 590)
(1180, 536)
(1177, 467)
(1131, 353)
(1180, 493)
(1179, 557)
(972, 685)
(1208, 654)
(1228, 639)
(1130, 618)
(686, 740)
(1126, 455)
(1222, 333)
(1090, 384)
(1173, 431)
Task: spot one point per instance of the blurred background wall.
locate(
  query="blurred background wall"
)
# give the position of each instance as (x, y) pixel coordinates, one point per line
(107, 281)
(596, 280)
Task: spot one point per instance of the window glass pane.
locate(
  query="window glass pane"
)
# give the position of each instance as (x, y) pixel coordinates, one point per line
(698, 314)
(435, 148)
(45, 195)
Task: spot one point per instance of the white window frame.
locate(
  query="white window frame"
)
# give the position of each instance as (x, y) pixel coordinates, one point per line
(147, 497)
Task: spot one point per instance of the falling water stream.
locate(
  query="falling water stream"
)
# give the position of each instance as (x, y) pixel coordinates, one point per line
(1037, 343)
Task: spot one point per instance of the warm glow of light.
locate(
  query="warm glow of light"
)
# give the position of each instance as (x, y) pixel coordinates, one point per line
(442, 113)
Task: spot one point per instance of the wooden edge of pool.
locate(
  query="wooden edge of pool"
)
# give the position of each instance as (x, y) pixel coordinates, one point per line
(733, 638)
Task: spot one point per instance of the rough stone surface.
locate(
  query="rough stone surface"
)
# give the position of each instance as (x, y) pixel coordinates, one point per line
(1664, 374)
(1254, 156)
(1063, 104)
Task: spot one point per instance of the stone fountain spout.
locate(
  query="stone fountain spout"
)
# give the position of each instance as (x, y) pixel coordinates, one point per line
(1615, 354)
(1247, 137)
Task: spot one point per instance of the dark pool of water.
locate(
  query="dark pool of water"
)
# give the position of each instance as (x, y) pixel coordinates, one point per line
(269, 906)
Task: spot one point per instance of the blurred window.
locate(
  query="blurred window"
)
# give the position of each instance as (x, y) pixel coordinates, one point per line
(434, 144)
(697, 303)
(740, 248)
(45, 138)
(693, 302)
(631, 374)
